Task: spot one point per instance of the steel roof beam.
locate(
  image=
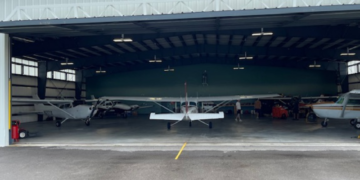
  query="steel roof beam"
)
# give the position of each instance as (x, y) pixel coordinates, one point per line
(219, 49)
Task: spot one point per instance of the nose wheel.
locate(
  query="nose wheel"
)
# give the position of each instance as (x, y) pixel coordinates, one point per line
(324, 123)
(87, 122)
(190, 124)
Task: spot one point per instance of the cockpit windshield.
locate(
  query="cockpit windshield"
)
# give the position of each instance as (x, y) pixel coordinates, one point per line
(189, 103)
(340, 100)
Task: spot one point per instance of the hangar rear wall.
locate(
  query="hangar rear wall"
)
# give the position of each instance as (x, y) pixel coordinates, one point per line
(222, 80)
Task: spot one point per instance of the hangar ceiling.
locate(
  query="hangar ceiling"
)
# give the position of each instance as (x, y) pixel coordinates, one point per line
(298, 39)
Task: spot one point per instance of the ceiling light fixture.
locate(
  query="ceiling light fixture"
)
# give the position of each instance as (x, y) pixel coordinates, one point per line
(169, 69)
(155, 60)
(23, 39)
(262, 33)
(314, 65)
(238, 67)
(66, 63)
(347, 53)
(100, 71)
(246, 57)
(122, 39)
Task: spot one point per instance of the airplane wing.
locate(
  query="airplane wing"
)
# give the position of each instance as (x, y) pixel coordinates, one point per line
(177, 99)
(230, 98)
(150, 99)
(41, 101)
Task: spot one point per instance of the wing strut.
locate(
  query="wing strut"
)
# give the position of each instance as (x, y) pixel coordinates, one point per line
(163, 107)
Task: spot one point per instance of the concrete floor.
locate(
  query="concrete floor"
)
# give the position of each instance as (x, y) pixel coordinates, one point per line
(139, 131)
(48, 163)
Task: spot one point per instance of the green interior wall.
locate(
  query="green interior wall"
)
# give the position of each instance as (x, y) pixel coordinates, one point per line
(222, 80)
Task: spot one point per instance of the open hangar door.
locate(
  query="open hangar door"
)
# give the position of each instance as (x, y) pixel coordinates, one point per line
(136, 58)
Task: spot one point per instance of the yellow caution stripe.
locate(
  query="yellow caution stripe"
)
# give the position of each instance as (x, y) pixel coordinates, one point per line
(182, 148)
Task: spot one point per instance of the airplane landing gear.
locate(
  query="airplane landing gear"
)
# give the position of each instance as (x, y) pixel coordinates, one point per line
(168, 125)
(58, 123)
(357, 125)
(353, 122)
(324, 123)
(87, 122)
(210, 125)
(190, 124)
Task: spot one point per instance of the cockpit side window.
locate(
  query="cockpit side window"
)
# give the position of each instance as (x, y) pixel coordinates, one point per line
(340, 100)
(354, 102)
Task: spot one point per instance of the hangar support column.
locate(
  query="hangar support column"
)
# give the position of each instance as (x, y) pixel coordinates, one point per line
(5, 91)
(78, 83)
(42, 78)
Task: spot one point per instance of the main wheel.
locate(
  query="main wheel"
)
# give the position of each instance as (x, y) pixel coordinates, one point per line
(353, 122)
(23, 134)
(210, 125)
(357, 125)
(324, 124)
(168, 125)
(58, 124)
(311, 117)
(87, 122)
(190, 124)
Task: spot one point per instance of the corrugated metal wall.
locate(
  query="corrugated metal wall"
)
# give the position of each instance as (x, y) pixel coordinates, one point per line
(26, 86)
(52, 9)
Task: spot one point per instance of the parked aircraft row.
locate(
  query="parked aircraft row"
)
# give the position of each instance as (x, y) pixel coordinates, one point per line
(346, 107)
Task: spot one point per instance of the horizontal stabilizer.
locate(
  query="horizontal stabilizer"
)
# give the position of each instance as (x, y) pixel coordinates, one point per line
(172, 116)
(205, 116)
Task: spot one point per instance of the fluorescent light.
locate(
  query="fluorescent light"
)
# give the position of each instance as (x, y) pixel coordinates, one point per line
(238, 67)
(155, 61)
(100, 71)
(262, 33)
(246, 57)
(347, 54)
(67, 63)
(122, 39)
(168, 69)
(314, 65)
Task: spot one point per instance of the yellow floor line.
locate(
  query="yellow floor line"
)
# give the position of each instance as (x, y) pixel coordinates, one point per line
(180, 151)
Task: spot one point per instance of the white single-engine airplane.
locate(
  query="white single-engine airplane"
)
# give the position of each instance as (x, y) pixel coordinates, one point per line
(119, 108)
(346, 107)
(189, 109)
(68, 111)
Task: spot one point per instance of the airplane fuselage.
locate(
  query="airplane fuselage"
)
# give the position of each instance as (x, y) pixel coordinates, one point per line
(77, 112)
(335, 111)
